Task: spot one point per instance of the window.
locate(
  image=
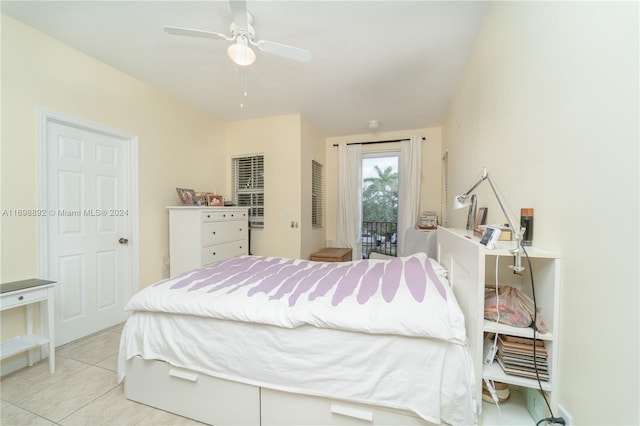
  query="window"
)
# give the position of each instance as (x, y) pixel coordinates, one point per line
(247, 183)
(379, 203)
(445, 189)
(317, 195)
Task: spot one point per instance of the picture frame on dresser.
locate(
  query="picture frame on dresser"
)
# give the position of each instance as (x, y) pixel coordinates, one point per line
(187, 196)
(214, 200)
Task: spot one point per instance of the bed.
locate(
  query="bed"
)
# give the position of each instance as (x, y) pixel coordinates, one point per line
(268, 340)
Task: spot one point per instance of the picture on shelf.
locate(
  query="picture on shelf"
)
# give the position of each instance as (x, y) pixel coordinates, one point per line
(481, 217)
(187, 196)
(215, 200)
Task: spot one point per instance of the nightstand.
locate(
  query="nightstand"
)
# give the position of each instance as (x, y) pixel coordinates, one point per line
(26, 293)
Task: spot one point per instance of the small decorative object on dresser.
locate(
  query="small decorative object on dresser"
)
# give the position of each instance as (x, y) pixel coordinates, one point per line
(200, 199)
(187, 196)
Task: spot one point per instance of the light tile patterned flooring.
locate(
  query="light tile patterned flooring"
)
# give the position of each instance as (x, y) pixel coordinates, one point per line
(82, 391)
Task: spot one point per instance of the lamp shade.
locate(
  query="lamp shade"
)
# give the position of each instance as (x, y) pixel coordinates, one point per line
(460, 201)
(241, 53)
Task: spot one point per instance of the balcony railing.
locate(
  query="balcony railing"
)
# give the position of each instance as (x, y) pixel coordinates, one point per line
(379, 237)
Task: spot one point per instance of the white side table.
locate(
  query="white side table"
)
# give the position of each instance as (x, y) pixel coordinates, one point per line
(26, 293)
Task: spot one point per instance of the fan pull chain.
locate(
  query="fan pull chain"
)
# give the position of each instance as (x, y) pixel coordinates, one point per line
(243, 85)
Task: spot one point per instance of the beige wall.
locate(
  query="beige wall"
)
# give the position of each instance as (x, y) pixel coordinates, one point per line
(278, 138)
(178, 145)
(549, 103)
(430, 190)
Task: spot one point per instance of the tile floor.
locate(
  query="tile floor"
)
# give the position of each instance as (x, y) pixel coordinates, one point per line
(82, 391)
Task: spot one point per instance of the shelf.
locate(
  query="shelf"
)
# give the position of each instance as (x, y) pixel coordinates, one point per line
(503, 247)
(21, 344)
(512, 412)
(495, 372)
(494, 327)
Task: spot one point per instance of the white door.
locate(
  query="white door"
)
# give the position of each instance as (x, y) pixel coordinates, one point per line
(88, 222)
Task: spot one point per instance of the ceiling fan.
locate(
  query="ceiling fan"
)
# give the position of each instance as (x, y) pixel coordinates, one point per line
(243, 36)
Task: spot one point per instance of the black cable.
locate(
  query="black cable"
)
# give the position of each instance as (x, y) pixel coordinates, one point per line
(553, 420)
(535, 328)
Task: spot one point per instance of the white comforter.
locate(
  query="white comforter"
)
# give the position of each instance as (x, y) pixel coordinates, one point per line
(404, 296)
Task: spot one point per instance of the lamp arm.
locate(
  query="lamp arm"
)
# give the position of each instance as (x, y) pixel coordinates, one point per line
(483, 177)
(518, 232)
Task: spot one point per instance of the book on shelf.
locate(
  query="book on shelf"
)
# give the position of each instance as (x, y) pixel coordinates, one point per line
(521, 356)
(527, 372)
(521, 340)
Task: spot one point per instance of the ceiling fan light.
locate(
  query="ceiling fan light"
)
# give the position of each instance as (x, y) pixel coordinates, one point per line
(241, 54)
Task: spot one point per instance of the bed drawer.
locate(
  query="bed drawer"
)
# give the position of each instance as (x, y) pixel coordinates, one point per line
(283, 408)
(198, 396)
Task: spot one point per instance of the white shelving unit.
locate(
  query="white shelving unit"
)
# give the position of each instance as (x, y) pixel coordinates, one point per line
(472, 268)
(27, 293)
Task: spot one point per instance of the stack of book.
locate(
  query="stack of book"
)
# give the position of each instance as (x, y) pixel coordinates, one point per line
(428, 220)
(515, 356)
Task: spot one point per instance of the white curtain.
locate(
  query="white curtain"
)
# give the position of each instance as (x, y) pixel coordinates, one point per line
(349, 198)
(409, 188)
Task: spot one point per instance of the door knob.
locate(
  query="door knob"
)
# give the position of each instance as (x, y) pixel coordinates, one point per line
(123, 240)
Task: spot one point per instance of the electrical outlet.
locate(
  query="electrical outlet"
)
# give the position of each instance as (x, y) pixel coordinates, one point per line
(568, 420)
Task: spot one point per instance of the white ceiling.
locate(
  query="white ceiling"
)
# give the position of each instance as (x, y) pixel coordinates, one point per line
(397, 62)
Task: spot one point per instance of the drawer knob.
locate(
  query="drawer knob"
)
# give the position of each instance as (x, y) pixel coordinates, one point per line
(214, 253)
(208, 216)
(214, 232)
(21, 298)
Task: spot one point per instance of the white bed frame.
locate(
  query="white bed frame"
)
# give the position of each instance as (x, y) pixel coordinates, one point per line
(221, 402)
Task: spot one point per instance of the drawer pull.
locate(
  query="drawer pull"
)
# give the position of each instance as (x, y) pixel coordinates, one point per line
(21, 298)
(214, 253)
(192, 377)
(214, 232)
(352, 412)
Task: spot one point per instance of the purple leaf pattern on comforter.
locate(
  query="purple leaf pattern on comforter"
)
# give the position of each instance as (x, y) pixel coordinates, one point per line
(400, 295)
(280, 277)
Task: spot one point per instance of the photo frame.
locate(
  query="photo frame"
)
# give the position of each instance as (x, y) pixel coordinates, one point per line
(471, 215)
(200, 199)
(187, 196)
(481, 217)
(215, 200)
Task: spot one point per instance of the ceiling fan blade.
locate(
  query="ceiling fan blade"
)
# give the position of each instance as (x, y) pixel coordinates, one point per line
(195, 33)
(295, 53)
(239, 13)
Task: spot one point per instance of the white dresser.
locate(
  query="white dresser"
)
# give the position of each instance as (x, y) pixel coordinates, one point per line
(200, 236)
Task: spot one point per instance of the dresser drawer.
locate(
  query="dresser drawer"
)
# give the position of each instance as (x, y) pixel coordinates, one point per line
(216, 216)
(23, 298)
(222, 232)
(218, 252)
